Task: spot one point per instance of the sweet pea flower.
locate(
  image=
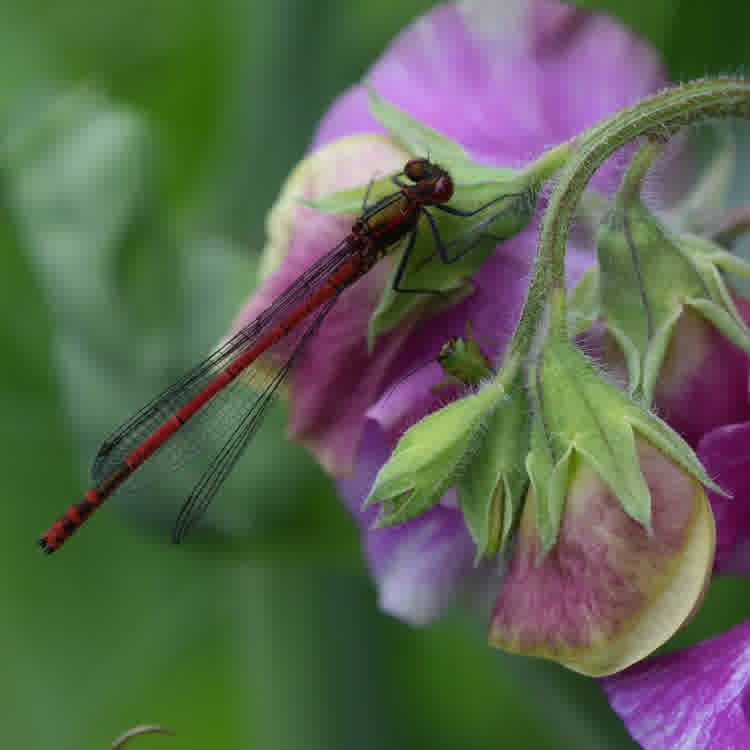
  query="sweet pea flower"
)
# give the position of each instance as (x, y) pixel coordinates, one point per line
(506, 81)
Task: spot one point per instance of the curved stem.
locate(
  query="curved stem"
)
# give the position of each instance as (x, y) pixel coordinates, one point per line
(632, 181)
(659, 116)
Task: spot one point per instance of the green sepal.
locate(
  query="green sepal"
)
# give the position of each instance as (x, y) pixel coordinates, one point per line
(670, 443)
(491, 487)
(647, 278)
(430, 456)
(709, 260)
(579, 415)
(642, 271)
(549, 511)
(540, 465)
(414, 136)
(657, 351)
(426, 270)
(351, 200)
(729, 262)
(720, 308)
(726, 323)
(584, 411)
(418, 138)
(583, 302)
(632, 357)
(548, 476)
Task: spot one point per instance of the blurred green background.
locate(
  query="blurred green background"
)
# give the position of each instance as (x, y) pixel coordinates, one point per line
(142, 144)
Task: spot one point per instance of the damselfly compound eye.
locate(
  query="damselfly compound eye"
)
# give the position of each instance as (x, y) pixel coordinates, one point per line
(443, 190)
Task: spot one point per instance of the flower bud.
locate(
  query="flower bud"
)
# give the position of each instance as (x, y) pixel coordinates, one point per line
(580, 415)
(611, 591)
(616, 540)
(666, 306)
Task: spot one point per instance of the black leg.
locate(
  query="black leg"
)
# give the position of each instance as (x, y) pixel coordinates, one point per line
(442, 251)
(439, 246)
(458, 212)
(402, 268)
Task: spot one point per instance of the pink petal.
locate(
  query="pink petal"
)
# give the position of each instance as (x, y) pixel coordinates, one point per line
(725, 455)
(417, 565)
(608, 593)
(703, 381)
(695, 698)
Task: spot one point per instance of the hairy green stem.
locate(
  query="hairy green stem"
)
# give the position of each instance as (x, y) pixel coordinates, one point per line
(632, 180)
(548, 163)
(659, 117)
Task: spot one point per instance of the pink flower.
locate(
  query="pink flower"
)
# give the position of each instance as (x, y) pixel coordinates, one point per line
(507, 80)
(609, 592)
(703, 382)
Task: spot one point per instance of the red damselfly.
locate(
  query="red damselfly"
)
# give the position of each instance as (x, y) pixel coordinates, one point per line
(203, 394)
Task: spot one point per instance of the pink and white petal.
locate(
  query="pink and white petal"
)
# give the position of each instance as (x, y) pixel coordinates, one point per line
(420, 567)
(608, 593)
(695, 698)
(492, 310)
(338, 364)
(462, 54)
(505, 80)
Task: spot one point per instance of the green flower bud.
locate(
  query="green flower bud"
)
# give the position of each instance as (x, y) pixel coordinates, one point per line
(648, 277)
